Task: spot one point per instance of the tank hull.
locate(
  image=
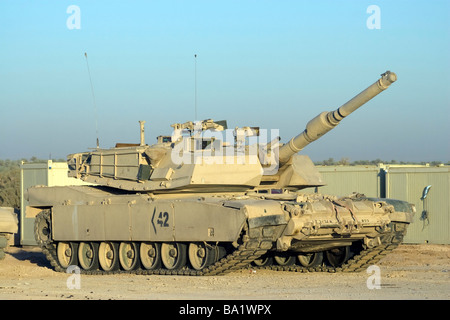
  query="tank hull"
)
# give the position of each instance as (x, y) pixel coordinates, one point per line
(210, 233)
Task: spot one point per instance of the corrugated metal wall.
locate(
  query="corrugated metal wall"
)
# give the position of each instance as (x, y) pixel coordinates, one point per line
(344, 180)
(432, 220)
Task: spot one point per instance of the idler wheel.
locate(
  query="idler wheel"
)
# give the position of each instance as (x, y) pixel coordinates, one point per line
(108, 256)
(128, 255)
(42, 228)
(173, 255)
(338, 256)
(313, 259)
(150, 254)
(67, 254)
(200, 255)
(88, 255)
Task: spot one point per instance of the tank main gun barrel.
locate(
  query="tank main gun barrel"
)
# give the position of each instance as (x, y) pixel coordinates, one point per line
(326, 121)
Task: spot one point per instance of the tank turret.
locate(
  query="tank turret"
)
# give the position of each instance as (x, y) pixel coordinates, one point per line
(201, 155)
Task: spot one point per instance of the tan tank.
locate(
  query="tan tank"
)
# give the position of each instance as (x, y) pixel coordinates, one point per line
(8, 227)
(206, 201)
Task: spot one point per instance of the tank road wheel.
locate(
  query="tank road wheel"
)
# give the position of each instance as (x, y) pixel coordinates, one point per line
(264, 260)
(88, 255)
(128, 255)
(173, 255)
(108, 256)
(338, 256)
(284, 259)
(150, 254)
(67, 254)
(200, 255)
(313, 259)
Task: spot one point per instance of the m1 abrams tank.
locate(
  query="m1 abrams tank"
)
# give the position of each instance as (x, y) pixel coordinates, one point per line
(8, 226)
(196, 204)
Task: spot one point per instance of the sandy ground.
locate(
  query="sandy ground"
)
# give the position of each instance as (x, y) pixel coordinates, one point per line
(410, 272)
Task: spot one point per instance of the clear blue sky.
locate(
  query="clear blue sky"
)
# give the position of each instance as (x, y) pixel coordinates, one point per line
(273, 64)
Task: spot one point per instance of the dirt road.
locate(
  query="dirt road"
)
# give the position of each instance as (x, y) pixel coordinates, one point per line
(410, 272)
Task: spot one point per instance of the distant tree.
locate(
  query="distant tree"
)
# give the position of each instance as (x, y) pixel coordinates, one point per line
(329, 162)
(344, 162)
(376, 161)
(10, 181)
(10, 188)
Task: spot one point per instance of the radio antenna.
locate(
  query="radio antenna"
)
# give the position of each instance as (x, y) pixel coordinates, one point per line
(93, 98)
(195, 92)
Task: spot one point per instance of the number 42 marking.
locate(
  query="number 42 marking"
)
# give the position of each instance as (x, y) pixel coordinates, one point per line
(162, 220)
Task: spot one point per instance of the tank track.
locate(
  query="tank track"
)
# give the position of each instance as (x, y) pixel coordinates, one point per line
(249, 250)
(360, 261)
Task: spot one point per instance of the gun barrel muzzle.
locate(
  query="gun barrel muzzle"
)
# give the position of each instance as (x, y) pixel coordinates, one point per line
(326, 121)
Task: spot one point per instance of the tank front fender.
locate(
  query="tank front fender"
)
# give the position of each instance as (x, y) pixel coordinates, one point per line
(261, 212)
(404, 211)
(266, 218)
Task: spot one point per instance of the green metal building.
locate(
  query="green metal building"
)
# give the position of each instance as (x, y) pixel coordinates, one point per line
(432, 219)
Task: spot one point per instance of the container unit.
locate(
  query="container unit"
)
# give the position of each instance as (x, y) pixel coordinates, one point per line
(345, 180)
(428, 188)
(47, 174)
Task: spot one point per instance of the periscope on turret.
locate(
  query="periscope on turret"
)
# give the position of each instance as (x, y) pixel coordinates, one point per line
(208, 200)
